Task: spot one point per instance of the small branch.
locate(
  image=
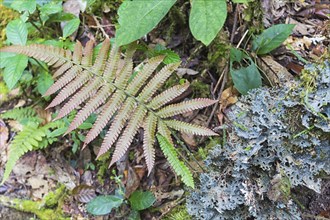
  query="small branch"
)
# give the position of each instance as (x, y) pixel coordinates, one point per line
(98, 25)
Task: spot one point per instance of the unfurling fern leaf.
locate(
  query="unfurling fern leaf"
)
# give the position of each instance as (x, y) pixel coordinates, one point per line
(107, 84)
(178, 166)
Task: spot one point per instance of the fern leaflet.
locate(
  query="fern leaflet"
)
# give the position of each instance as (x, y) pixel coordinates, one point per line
(179, 167)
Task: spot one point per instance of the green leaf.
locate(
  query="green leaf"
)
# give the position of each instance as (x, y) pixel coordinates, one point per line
(5, 58)
(137, 18)
(102, 205)
(50, 8)
(71, 27)
(207, 18)
(271, 38)
(140, 200)
(14, 69)
(17, 32)
(45, 80)
(26, 5)
(244, 78)
(170, 56)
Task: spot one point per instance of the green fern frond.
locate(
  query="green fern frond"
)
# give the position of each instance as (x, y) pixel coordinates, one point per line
(126, 103)
(178, 166)
(32, 137)
(19, 114)
(23, 142)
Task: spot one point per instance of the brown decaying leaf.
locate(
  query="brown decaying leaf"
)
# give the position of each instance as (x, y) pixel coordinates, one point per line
(132, 181)
(84, 193)
(228, 98)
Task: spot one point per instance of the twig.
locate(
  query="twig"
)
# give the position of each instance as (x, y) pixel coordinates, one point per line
(100, 26)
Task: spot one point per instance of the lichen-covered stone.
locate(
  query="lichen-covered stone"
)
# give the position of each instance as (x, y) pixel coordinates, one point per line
(278, 139)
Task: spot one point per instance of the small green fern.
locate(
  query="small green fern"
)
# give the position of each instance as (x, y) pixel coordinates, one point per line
(32, 137)
(24, 141)
(22, 115)
(178, 166)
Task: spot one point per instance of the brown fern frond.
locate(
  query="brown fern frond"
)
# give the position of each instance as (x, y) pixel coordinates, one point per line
(83, 94)
(184, 107)
(157, 81)
(167, 96)
(109, 109)
(112, 64)
(89, 108)
(64, 80)
(77, 53)
(149, 140)
(126, 104)
(117, 126)
(62, 69)
(144, 74)
(129, 132)
(101, 57)
(70, 89)
(189, 128)
(87, 59)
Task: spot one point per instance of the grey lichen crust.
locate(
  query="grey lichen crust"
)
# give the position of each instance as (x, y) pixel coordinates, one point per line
(278, 139)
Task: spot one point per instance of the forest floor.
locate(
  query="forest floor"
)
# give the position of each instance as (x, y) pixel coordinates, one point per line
(38, 173)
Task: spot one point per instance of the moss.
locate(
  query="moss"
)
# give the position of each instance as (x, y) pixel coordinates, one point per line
(53, 198)
(178, 213)
(200, 89)
(39, 207)
(254, 15)
(218, 53)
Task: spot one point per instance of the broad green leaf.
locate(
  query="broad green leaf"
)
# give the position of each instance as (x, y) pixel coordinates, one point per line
(244, 78)
(70, 27)
(5, 58)
(14, 69)
(26, 5)
(17, 32)
(45, 80)
(137, 18)
(103, 205)
(140, 200)
(271, 38)
(207, 18)
(49, 9)
(59, 17)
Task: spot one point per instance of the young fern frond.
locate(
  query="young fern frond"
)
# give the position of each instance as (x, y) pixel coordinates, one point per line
(178, 166)
(126, 103)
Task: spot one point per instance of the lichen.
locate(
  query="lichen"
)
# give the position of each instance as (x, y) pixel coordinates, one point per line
(254, 173)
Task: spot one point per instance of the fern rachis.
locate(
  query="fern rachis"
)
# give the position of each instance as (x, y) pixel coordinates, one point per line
(106, 84)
